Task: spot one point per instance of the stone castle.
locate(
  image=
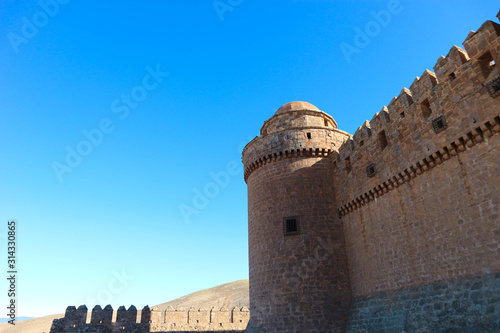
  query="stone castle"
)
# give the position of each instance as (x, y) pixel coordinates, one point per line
(393, 229)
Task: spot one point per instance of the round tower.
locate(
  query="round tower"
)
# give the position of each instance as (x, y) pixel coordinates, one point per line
(298, 269)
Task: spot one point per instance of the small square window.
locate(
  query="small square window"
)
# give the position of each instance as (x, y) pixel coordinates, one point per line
(439, 124)
(291, 225)
(494, 87)
(370, 170)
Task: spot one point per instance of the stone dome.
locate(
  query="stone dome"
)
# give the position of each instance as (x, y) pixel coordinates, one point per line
(295, 106)
(297, 115)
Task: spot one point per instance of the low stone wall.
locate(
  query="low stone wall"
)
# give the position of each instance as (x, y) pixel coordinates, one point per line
(465, 305)
(151, 320)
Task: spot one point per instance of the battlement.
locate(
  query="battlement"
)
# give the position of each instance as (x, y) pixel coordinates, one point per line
(442, 113)
(150, 320)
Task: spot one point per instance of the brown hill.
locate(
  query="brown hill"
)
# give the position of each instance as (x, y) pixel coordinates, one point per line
(36, 325)
(229, 295)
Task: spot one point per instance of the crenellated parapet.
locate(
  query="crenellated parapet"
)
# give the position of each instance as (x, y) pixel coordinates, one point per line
(442, 113)
(102, 320)
(150, 320)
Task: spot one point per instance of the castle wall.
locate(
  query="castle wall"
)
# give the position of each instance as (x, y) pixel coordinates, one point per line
(299, 282)
(151, 320)
(464, 305)
(420, 202)
(438, 226)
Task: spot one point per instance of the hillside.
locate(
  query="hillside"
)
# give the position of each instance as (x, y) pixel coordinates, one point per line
(228, 295)
(36, 325)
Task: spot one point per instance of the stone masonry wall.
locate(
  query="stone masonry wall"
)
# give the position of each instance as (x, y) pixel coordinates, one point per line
(420, 199)
(441, 225)
(298, 281)
(464, 305)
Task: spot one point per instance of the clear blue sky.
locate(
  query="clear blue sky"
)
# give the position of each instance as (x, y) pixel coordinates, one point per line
(87, 68)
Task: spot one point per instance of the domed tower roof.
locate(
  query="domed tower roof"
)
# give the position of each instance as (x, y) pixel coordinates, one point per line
(296, 126)
(297, 115)
(296, 106)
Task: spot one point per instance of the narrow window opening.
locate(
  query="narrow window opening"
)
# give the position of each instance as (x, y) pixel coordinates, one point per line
(426, 108)
(486, 64)
(370, 170)
(452, 77)
(348, 166)
(220, 324)
(326, 123)
(439, 124)
(361, 143)
(197, 321)
(402, 114)
(308, 135)
(382, 139)
(291, 225)
(494, 87)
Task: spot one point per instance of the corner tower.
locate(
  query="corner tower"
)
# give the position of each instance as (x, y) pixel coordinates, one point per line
(298, 269)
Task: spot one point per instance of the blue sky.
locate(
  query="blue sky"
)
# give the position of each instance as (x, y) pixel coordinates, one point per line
(169, 93)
